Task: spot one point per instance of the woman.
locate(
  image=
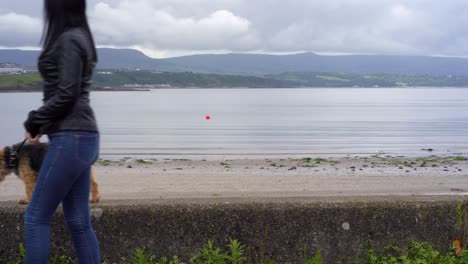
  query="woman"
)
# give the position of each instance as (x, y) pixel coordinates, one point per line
(66, 65)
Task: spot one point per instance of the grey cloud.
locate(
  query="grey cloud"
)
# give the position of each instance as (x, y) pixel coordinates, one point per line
(160, 28)
(19, 30)
(339, 26)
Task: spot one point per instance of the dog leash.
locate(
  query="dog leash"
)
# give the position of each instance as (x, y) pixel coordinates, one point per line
(13, 161)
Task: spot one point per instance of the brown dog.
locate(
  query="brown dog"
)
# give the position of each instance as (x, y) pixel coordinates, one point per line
(27, 165)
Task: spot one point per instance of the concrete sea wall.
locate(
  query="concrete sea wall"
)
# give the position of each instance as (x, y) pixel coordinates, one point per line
(284, 229)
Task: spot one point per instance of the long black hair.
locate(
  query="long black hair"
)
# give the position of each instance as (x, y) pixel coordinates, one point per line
(60, 15)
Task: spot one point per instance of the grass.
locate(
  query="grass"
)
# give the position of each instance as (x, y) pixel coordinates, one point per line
(422, 161)
(235, 253)
(304, 160)
(19, 80)
(141, 161)
(104, 162)
(436, 159)
(316, 161)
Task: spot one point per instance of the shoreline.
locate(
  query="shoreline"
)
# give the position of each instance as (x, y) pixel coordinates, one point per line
(146, 89)
(141, 179)
(115, 156)
(39, 90)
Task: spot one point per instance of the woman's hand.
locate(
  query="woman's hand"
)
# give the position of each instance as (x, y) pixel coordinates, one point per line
(35, 140)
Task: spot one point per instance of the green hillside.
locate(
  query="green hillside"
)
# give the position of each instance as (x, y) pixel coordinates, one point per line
(187, 79)
(309, 79)
(20, 80)
(120, 79)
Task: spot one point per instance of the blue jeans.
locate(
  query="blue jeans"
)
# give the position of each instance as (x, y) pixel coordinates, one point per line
(64, 178)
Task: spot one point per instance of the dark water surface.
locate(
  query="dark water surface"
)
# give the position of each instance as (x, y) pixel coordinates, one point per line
(286, 122)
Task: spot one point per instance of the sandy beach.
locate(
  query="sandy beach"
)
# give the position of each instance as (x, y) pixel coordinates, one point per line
(264, 177)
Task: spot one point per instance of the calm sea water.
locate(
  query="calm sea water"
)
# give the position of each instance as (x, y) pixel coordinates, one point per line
(286, 122)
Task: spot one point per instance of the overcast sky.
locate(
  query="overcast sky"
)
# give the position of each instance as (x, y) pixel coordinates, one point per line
(165, 28)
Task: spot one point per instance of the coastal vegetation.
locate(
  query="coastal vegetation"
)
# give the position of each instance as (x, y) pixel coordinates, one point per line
(284, 80)
(186, 79)
(121, 79)
(311, 79)
(19, 80)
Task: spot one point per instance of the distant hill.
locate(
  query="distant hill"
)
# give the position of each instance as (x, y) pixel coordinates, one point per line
(131, 59)
(309, 62)
(23, 57)
(108, 59)
(255, 64)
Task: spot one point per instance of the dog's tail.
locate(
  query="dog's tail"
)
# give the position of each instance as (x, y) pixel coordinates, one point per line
(2, 176)
(4, 170)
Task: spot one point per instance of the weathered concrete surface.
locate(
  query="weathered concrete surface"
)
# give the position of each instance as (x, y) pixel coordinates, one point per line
(279, 228)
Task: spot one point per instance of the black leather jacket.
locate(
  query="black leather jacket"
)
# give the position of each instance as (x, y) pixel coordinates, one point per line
(67, 68)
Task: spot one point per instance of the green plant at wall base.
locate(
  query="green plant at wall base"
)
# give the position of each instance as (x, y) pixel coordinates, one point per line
(141, 257)
(460, 214)
(22, 255)
(60, 260)
(55, 259)
(209, 255)
(317, 259)
(174, 260)
(421, 252)
(237, 252)
(416, 253)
